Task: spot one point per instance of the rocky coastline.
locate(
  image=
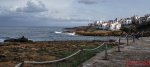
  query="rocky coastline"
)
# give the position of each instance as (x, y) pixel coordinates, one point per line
(89, 31)
(21, 39)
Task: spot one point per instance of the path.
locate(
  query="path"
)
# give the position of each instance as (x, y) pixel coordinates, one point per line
(138, 51)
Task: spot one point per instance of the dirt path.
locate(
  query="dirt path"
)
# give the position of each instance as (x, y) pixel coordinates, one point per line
(135, 55)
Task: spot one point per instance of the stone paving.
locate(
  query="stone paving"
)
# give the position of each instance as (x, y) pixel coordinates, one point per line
(137, 54)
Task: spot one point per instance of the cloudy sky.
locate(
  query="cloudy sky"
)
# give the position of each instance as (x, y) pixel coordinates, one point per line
(67, 12)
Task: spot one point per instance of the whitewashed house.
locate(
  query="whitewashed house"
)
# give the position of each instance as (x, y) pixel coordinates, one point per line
(112, 26)
(118, 26)
(127, 21)
(98, 22)
(115, 26)
(135, 17)
(100, 26)
(91, 24)
(116, 20)
(148, 19)
(105, 26)
(117, 23)
(142, 19)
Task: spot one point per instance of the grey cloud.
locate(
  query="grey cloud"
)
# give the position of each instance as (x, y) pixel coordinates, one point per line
(32, 7)
(88, 1)
(103, 1)
(13, 18)
(22, 17)
(56, 11)
(93, 1)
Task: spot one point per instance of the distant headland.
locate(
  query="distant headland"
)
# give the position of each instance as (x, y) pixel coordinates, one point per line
(114, 27)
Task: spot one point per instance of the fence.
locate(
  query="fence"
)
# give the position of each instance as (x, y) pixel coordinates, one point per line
(80, 53)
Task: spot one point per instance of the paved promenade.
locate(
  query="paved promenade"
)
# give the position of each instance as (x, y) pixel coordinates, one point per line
(137, 54)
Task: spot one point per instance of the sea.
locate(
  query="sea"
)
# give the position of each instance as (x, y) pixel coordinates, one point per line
(45, 33)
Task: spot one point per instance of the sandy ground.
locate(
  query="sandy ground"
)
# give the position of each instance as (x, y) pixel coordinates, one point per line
(137, 54)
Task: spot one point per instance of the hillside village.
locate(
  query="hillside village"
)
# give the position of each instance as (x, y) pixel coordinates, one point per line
(118, 23)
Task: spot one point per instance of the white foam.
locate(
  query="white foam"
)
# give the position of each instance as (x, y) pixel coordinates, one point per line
(66, 33)
(57, 32)
(71, 33)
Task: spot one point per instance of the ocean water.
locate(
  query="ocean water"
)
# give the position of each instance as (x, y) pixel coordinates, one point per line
(45, 33)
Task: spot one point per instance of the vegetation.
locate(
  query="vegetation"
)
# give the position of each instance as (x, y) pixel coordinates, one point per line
(100, 33)
(75, 60)
(144, 26)
(11, 53)
(90, 31)
(137, 28)
(129, 29)
(125, 29)
(135, 22)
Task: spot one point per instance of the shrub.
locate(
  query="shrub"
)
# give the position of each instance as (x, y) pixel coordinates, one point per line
(125, 29)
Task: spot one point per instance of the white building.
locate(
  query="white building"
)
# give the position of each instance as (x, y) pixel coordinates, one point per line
(117, 23)
(105, 26)
(142, 19)
(127, 21)
(148, 19)
(118, 26)
(98, 22)
(115, 26)
(91, 24)
(135, 17)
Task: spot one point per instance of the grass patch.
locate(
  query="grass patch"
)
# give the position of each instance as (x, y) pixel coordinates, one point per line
(42, 51)
(75, 60)
(46, 51)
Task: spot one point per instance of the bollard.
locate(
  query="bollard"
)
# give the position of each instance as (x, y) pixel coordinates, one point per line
(118, 45)
(81, 52)
(133, 37)
(106, 51)
(22, 64)
(127, 40)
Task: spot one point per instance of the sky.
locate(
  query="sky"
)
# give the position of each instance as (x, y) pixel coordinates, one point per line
(67, 12)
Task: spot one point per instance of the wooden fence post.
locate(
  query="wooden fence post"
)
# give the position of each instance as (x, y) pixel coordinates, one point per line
(142, 35)
(133, 37)
(22, 64)
(127, 40)
(148, 33)
(118, 45)
(81, 58)
(106, 54)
